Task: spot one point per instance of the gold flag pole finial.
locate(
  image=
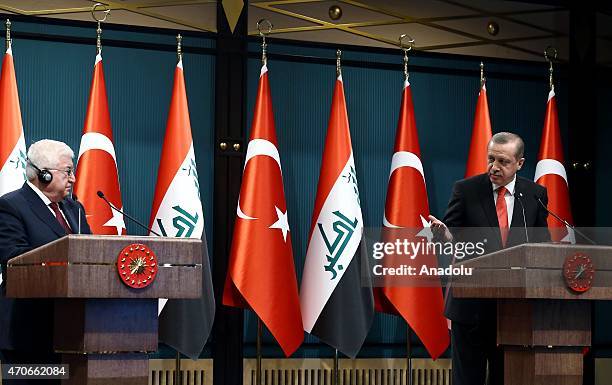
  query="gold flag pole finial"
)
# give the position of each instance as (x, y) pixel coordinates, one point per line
(179, 47)
(406, 49)
(483, 79)
(338, 68)
(99, 21)
(8, 34)
(550, 54)
(263, 32)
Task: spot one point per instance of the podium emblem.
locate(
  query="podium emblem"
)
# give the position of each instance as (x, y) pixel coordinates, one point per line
(137, 266)
(578, 272)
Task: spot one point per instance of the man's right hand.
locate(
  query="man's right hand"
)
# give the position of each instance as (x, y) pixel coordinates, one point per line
(440, 230)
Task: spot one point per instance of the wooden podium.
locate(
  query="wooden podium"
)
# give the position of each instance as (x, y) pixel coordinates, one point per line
(103, 327)
(542, 325)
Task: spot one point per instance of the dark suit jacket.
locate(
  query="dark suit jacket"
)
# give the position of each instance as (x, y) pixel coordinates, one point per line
(471, 216)
(26, 223)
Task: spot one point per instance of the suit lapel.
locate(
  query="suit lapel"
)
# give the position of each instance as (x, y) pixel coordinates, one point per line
(486, 201)
(517, 213)
(42, 211)
(518, 224)
(70, 216)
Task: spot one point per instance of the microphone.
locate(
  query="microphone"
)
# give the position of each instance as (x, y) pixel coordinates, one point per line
(566, 223)
(520, 195)
(101, 195)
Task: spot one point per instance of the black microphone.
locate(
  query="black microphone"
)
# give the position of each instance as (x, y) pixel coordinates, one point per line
(74, 198)
(566, 223)
(520, 195)
(101, 195)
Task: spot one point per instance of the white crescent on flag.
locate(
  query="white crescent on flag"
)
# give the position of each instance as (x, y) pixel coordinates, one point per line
(258, 147)
(550, 166)
(403, 159)
(97, 141)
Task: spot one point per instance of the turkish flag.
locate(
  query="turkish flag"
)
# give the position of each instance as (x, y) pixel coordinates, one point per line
(420, 303)
(550, 173)
(261, 272)
(97, 162)
(481, 135)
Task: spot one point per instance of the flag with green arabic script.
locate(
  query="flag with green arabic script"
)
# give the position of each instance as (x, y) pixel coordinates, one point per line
(184, 324)
(337, 307)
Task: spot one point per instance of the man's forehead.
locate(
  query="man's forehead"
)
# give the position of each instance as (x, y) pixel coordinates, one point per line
(498, 147)
(506, 150)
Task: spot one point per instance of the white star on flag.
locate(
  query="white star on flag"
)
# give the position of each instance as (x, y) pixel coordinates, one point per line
(116, 221)
(282, 223)
(426, 232)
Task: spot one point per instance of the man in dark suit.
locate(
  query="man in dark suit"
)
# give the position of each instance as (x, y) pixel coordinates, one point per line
(39, 212)
(502, 208)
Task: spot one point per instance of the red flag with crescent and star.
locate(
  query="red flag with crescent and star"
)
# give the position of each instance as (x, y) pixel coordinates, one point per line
(97, 162)
(261, 272)
(420, 304)
(550, 173)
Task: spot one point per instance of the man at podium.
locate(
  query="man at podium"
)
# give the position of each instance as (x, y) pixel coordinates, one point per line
(41, 211)
(502, 208)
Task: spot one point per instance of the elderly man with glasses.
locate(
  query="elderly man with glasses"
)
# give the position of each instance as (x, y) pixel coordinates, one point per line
(38, 213)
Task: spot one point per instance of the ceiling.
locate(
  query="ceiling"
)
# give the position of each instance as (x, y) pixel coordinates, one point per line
(450, 26)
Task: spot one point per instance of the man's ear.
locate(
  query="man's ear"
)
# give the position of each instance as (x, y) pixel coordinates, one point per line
(520, 163)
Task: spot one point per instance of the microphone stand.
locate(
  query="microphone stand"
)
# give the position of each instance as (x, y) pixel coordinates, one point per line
(101, 195)
(566, 223)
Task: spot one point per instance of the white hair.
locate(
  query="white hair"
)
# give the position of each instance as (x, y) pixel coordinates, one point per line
(45, 153)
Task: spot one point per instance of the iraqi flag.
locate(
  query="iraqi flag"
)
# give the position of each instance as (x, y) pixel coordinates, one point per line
(97, 162)
(419, 302)
(261, 272)
(184, 324)
(12, 145)
(551, 174)
(481, 135)
(337, 306)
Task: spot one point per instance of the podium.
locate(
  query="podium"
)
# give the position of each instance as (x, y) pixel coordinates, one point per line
(103, 327)
(542, 325)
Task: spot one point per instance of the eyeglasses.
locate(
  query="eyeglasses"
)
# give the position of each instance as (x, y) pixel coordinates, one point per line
(69, 171)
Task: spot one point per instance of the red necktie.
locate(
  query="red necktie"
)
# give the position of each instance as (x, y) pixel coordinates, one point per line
(60, 218)
(502, 214)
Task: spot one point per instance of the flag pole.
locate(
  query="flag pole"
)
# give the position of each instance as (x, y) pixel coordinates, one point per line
(8, 34)
(408, 355)
(264, 26)
(179, 48)
(177, 370)
(177, 362)
(405, 49)
(483, 80)
(550, 54)
(336, 372)
(99, 21)
(264, 61)
(258, 347)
